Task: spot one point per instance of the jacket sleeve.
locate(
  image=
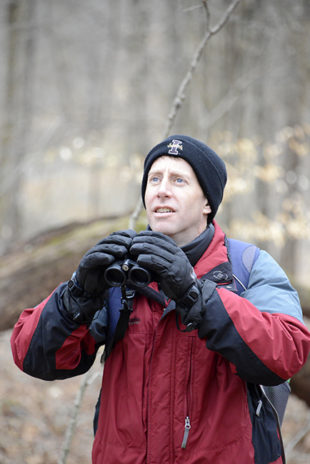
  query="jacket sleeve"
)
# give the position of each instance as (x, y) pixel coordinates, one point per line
(261, 332)
(47, 344)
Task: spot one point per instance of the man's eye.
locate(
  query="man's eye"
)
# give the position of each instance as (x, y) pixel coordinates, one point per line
(179, 180)
(154, 179)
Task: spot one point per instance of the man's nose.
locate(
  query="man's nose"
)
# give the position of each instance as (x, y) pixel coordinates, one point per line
(163, 189)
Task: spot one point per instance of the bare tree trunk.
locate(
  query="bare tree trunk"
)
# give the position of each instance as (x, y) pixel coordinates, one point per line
(16, 138)
(7, 167)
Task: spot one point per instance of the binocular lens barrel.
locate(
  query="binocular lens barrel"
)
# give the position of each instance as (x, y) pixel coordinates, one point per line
(118, 274)
(115, 276)
(139, 276)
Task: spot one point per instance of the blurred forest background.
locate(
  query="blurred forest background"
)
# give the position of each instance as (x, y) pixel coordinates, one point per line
(86, 89)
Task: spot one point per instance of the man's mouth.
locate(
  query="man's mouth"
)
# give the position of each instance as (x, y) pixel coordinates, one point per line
(164, 210)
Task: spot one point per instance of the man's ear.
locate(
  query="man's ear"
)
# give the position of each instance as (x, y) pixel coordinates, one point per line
(207, 208)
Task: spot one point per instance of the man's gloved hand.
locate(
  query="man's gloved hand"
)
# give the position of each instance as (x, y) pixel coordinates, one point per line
(90, 273)
(167, 263)
(192, 317)
(84, 294)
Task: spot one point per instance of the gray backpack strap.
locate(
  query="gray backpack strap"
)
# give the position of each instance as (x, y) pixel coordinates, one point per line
(242, 256)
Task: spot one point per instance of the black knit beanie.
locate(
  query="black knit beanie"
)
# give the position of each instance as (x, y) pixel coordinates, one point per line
(208, 166)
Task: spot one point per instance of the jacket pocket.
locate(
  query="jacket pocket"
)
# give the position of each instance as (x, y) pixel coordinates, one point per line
(265, 437)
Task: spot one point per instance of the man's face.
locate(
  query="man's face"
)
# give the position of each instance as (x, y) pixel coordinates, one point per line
(174, 201)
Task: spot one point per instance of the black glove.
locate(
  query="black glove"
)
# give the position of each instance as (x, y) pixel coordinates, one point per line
(90, 273)
(168, 264)
(84, 294)
(192, 317)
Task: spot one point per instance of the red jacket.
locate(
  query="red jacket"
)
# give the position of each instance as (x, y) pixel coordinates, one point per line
(159, 379)
(163, 388)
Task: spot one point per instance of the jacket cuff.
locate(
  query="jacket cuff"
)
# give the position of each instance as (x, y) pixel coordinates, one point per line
(80, 306)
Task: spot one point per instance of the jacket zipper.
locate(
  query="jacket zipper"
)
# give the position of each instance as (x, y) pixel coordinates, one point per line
(187, 424)
(187, 428)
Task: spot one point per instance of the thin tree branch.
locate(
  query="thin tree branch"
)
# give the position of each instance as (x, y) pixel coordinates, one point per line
(86, 380)
(207, 11)
(181, 93)
(226, 16)
(135, 215)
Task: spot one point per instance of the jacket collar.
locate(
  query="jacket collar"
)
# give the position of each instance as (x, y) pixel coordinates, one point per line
(195, 249)
(214, 264)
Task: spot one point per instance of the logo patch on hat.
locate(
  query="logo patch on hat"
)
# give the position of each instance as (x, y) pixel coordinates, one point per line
(175, 146)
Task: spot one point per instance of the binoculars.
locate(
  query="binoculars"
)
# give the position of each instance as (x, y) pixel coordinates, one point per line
(127, 271)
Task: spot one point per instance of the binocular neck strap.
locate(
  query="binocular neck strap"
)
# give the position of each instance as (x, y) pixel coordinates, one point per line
(124, 315)
(127, 300)
(128, 295)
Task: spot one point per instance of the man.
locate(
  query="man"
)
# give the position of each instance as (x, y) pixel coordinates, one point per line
(187, 354)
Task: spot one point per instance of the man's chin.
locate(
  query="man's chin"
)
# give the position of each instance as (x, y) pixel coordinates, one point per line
(163, 229)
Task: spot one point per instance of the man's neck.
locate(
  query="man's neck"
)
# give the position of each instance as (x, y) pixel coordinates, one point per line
(195, 249)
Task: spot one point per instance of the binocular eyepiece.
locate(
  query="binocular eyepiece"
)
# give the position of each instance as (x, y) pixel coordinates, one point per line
(127, 271)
